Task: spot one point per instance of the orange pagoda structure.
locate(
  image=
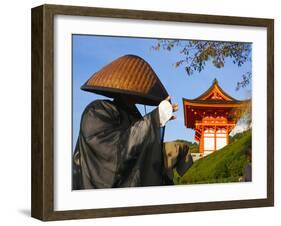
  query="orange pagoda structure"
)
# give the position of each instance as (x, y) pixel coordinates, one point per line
(212, 115)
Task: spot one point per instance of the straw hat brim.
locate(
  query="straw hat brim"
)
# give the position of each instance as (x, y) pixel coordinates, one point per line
(140, 98)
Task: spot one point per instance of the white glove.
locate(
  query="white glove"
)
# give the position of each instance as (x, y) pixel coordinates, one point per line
(165, 112)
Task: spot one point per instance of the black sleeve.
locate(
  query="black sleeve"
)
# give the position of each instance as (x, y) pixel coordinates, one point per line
(184, 161)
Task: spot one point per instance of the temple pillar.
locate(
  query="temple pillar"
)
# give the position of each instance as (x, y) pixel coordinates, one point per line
(215, 138)
(227, 138)
(201, 147)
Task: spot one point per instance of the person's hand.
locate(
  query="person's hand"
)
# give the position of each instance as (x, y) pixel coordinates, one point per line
(166, 109)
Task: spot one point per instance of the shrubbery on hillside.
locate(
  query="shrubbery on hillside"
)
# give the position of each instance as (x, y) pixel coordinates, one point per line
(193, 147)
(225, 165)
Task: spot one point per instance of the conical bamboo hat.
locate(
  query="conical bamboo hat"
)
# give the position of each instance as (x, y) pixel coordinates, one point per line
(128, 75)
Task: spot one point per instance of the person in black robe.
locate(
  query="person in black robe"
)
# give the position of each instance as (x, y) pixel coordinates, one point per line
(117, 147)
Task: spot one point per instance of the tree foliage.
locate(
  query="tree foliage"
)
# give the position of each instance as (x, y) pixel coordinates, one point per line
(195, 54)
(246, 78)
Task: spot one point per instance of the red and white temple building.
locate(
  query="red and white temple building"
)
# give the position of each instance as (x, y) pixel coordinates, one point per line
(212, 115)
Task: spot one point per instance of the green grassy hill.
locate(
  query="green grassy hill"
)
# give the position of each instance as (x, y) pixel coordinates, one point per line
(193, 147)
(225, 165)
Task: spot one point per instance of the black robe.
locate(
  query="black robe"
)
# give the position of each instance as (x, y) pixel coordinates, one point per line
(117, 147)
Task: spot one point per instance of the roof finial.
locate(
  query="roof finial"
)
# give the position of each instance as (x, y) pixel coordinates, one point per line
(215, 81)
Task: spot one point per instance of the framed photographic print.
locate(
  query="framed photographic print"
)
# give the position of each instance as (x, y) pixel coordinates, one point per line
(141, 112)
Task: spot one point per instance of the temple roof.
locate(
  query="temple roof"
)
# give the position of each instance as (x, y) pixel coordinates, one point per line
(215, 89)
(214, 101)
(213, 96)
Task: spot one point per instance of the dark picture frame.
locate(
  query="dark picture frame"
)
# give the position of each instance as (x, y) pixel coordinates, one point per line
(42, 203)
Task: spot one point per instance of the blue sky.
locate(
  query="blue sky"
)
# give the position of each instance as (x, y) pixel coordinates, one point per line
(91, 53)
